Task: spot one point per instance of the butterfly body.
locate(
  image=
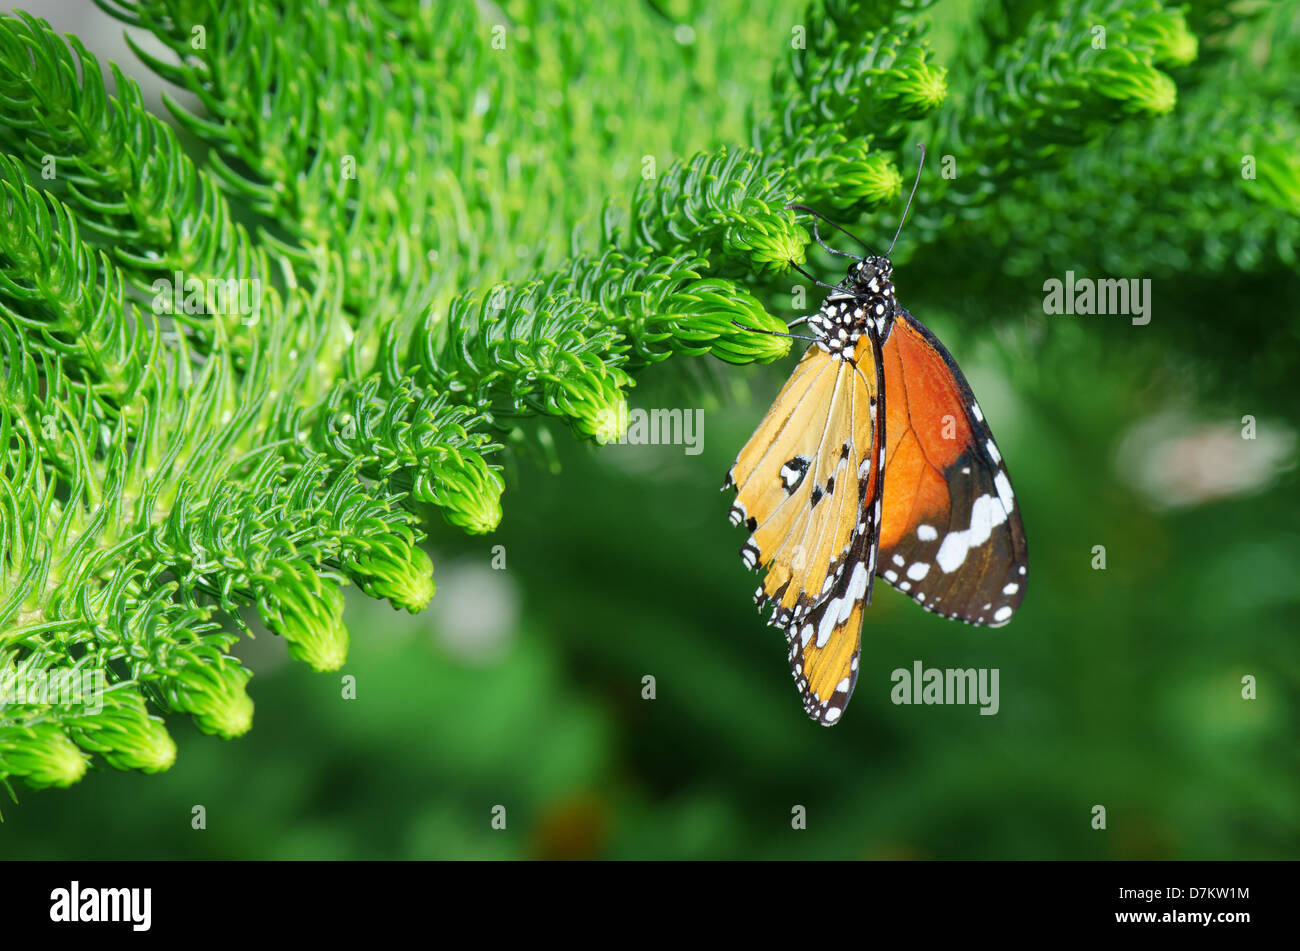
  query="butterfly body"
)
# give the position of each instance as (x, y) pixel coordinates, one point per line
(867, 298)
(838, 486)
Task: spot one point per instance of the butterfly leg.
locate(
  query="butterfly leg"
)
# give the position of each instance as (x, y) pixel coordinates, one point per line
(773, 333)
(832, 287)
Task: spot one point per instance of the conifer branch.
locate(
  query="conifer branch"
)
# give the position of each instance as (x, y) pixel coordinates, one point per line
(431, 287)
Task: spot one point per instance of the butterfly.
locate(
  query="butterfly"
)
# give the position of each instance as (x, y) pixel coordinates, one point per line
(875, 460)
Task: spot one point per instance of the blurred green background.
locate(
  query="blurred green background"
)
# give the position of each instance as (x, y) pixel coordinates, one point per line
(521, 686)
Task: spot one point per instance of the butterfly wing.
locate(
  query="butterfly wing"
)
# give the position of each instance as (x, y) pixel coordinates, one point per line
(951, 535)
(807, 489)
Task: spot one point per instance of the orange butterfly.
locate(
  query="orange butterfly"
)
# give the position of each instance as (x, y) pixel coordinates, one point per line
(838, 485)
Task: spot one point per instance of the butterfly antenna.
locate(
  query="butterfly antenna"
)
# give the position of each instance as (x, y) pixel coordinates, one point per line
(909, 200)
(817, 215)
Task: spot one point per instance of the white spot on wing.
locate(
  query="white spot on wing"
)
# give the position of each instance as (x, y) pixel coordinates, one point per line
(1004, 490)
(986, 513)
(857, 589)
(827, 623)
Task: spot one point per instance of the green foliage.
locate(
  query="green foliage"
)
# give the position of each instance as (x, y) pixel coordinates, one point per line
(1061, 82)
(171, 464)
(458, 223)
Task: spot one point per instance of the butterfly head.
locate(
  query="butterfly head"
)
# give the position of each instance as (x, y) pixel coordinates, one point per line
(871, 276)
(871, 286)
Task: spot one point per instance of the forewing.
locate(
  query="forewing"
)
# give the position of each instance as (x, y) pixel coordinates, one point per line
(951, 535)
